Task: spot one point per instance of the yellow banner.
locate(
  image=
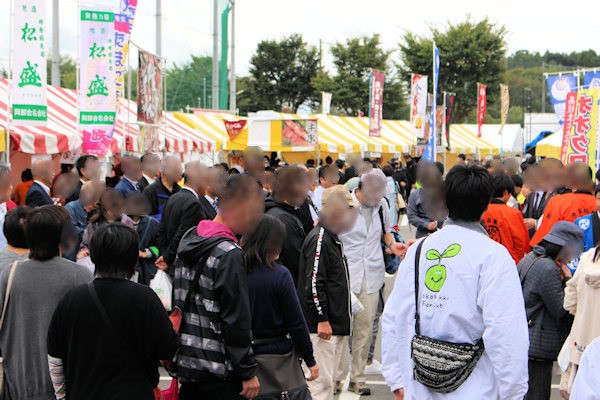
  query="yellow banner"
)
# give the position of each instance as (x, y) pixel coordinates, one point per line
(505, 104)
(582, 137)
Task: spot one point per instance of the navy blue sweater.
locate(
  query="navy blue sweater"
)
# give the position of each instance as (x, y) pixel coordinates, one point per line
(276, 311)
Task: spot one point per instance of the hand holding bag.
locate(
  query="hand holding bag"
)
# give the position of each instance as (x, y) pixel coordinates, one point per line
(439, 365)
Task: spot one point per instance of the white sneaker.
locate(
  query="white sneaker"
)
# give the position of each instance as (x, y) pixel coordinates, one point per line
(374, 368)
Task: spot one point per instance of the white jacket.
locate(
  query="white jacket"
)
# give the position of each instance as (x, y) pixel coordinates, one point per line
(582, 299)
(480, 297)
(587, 380)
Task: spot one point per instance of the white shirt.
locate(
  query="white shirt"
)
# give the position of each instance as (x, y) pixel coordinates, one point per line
(3, 211)
(317, 197)
(191, 190)
(587, 380)
(150, 180)
(480, 297)
(211, 201)
(46, 188)
(362, 247)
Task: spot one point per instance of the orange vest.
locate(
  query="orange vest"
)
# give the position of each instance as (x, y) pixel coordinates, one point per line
(564, 207)
(505, 225)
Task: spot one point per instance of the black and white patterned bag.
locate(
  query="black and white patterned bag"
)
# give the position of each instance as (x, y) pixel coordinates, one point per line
(439, 365)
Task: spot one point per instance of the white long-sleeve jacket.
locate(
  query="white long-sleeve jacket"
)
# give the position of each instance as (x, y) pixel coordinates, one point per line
(464, 295)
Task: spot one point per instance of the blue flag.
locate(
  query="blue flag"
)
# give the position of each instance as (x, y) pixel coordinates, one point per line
(559, 86)
(429, 153)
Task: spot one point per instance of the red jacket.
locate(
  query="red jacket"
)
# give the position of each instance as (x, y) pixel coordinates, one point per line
(564, 207)
(505, 225)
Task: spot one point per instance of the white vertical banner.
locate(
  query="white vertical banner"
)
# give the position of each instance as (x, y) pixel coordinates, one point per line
(28, 84)
(97, 91)
(326, 103)
(418, 105)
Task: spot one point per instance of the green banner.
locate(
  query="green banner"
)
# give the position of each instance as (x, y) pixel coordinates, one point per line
(30, 112)
(96, 117)
(223, 70)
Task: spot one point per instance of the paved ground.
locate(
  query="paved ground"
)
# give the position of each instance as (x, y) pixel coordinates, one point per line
(379, 389)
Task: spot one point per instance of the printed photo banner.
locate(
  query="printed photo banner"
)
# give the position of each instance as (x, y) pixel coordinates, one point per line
(97, 92)
(29, 77)
(582, 138)
(123, 28)
(558, 87)
(430, 148)
(376, 102)
(418, 105)
(481, 106)
(149, 88)
(299, 132)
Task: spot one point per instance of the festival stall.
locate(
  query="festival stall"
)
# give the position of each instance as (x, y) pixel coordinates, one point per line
(550, 146)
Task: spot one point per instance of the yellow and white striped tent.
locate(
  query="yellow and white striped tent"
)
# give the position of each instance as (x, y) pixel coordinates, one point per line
(336, 134)
(550, 146)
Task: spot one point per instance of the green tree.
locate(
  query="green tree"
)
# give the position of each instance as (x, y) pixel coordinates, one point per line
(470, 52)
(281, 72)
(68, 72)
(354, 60)
(189, 84)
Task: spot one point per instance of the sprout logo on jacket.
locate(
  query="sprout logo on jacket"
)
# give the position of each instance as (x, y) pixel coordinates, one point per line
(436, 274)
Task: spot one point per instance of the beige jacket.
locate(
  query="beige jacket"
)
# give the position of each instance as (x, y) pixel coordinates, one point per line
(582, 299)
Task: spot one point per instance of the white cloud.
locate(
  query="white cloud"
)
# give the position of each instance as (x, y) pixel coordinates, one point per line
(187, 24)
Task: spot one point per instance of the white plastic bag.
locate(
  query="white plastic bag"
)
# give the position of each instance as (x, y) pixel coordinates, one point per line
(161, 284)
(357, 306)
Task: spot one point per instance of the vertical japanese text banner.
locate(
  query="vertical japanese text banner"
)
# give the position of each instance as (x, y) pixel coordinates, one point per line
(570, 104)
(28, 85)
(376, 103)
(505, 97)
(97, 99)
(149, 98)
(430, 148)
(558, 87)
(450, 102)
(418, 105)
(591, 80)
(123, 27)
(582, 140)
(481, 106)
(326, 102)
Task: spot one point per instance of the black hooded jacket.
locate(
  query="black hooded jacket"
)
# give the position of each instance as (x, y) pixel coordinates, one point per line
(290, 253)
(219, 344)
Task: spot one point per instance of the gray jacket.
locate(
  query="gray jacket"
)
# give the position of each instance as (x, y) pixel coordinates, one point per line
(543, 291)
(417, 216)
(37, 288)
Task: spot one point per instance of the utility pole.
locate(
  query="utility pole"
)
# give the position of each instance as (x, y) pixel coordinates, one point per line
(320, 55)
(232, 83)
(159, 28)
(215, 69)
(55, 46)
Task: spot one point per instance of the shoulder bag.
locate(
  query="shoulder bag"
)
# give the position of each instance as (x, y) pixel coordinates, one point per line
(439, 365)
(280, 375)
(11, 275)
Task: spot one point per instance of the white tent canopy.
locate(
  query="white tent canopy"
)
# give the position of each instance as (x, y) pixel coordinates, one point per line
(511, 139)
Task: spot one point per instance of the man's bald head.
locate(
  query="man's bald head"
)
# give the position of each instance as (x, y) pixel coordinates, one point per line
(580, 176)
(43, 171)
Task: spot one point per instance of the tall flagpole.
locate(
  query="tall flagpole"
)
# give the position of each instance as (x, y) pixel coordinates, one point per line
(215, 65)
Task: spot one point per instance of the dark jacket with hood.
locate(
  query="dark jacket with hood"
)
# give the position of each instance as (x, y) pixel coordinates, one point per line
(324, 284)
(543, 291)
(295, 234)
(216, 328)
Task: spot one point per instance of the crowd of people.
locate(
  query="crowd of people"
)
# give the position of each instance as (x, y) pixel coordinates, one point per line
(276, 278)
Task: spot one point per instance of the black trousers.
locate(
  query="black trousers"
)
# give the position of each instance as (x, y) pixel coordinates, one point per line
(540, 380)
(226, 390)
